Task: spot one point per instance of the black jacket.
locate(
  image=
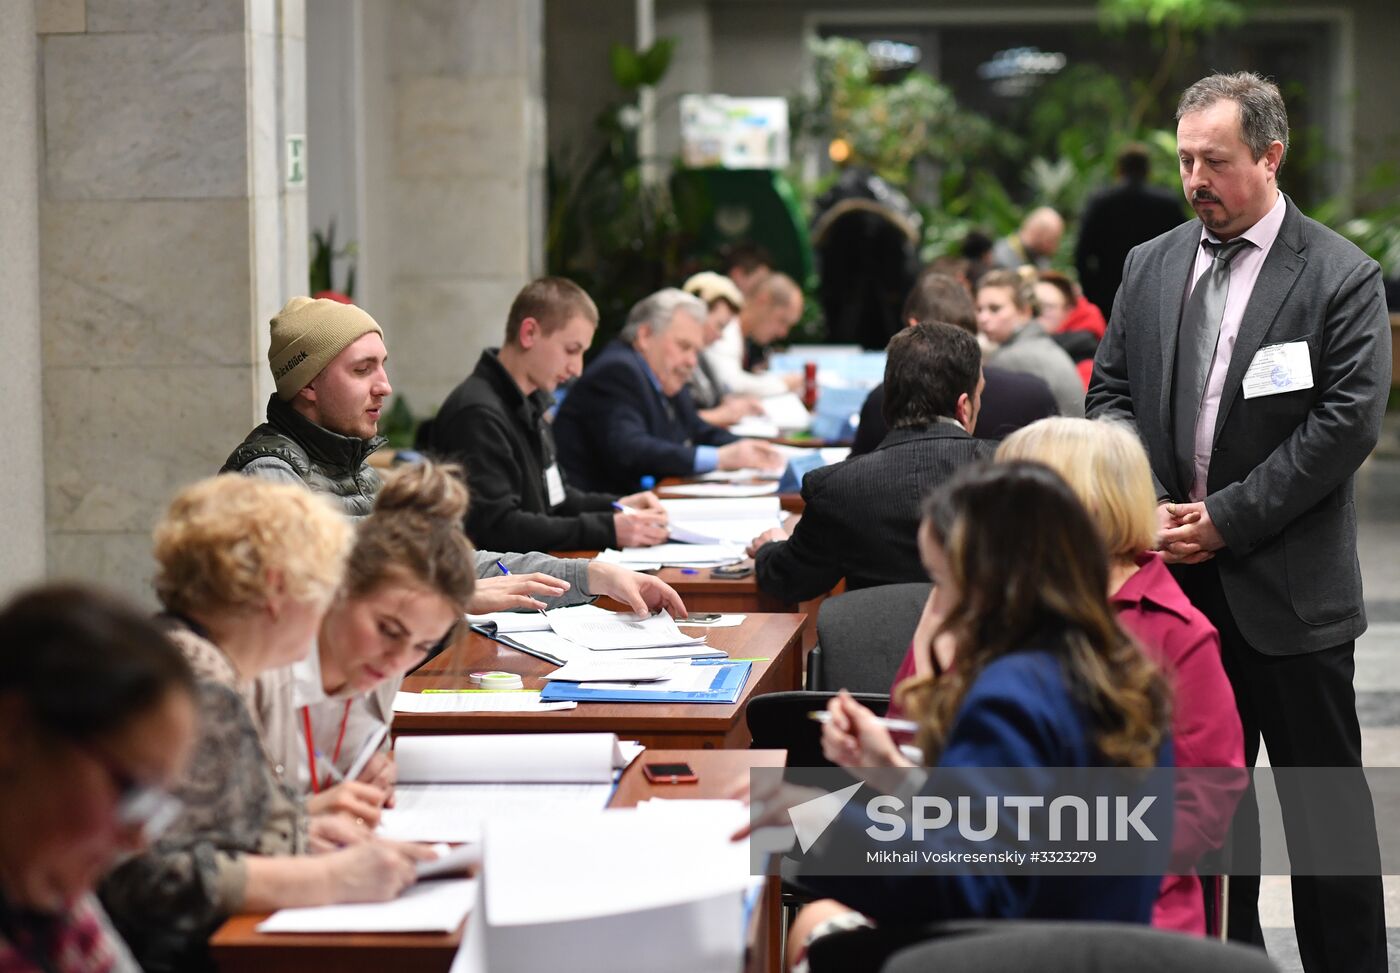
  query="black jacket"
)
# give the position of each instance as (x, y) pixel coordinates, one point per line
(502, 439)
(615, 426)
(1009, 401)
(1116, 220)
(861, 522)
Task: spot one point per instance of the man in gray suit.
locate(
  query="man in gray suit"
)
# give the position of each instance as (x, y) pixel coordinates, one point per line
(1252, 350)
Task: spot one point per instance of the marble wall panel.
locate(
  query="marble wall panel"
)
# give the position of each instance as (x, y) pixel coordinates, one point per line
(266, 145)
(145, 283)
(166, 16)
(474, 38)
(120, 441)
(145, 116)
(461, 126)
(437, 331)
(117, 560)
(461, 228)
(58, 17)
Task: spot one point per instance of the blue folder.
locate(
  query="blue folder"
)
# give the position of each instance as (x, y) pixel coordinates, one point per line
(724, 688)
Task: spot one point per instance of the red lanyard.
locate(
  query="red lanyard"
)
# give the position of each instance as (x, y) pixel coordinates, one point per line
(311, 743)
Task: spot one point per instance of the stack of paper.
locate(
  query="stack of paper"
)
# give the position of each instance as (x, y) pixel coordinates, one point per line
(723, 491)
(738, 476)
(604, 631)
(722, 521)
(449, 785)
(696, 681)
(674, 555)
(643, 891)
(567, 634)
(476, 701)
(426, 907)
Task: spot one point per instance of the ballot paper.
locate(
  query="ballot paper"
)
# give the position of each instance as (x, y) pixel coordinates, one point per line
(527, 701)
(723, 490)
(438, 906)
(449, 785)
(506, 623)
(674, 555)
(608, 631)
(722, 521)
(611, 669)
(739, 476)
(669, 887)
(554, 648)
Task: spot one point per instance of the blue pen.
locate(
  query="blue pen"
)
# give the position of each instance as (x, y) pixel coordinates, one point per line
(506, 571)
(620, 509)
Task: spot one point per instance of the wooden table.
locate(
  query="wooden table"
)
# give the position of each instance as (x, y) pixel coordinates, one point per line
(776, 638)
(239, 948)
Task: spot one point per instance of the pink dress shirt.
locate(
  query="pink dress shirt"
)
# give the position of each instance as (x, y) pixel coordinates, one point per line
(1205, 722)
(1244, 273)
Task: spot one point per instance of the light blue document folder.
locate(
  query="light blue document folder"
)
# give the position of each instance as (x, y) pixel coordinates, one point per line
(725, 688)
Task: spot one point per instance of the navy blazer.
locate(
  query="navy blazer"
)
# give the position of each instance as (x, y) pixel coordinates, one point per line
(1280, 487)
(615, 426)
(1020, 712)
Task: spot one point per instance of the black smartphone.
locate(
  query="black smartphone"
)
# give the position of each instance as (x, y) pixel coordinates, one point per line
(699, 618)
(732, 570)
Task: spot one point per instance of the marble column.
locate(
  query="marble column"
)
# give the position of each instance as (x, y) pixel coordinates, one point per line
(460, 143)
(22, 472)
(169, 237)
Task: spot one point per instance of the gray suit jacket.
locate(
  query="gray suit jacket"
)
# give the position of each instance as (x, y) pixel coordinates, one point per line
(1280, 483)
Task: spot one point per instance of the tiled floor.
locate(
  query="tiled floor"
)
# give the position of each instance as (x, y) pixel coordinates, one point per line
(1377, 679)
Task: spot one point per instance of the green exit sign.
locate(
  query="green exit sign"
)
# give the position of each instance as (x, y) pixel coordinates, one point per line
(296, 160)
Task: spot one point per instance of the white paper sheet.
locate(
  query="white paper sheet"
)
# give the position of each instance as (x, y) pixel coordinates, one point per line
(475, 702)
(449, 860)
(735, 521)
(608, 631)
(427, 907)
(739, 476)
(455, 812)
(675, 555)
(682, 678)
(723, 490)
(564, 651)
(724, 621)
(509, 622)
(507, 758)
(611, 669)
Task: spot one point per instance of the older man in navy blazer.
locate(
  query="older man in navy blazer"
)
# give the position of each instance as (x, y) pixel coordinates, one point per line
(631, 414)
(1252, 350)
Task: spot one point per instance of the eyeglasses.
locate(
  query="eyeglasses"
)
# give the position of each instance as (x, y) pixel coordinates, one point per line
(150, 808)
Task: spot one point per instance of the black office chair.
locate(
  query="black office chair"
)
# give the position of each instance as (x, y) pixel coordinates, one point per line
(862, 637)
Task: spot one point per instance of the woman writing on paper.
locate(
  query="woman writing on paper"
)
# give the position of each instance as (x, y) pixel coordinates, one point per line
(97, 718)
(409, 578)
(245, 570)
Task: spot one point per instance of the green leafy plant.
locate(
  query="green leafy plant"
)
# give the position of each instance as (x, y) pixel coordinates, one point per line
(323, 256)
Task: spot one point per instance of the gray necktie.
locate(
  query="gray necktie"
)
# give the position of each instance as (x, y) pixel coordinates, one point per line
(1195, 348)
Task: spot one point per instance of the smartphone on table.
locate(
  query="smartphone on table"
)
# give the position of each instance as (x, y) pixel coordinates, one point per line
(677, 773)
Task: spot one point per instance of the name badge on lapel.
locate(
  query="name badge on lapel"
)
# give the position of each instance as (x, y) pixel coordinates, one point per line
(1277, 369)
(554, 484)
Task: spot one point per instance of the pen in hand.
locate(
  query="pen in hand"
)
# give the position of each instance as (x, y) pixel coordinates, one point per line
(894, 726)
(506, 571)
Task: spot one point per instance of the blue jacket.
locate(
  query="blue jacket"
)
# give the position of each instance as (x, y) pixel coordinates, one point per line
(615, 426)
(1019, 713)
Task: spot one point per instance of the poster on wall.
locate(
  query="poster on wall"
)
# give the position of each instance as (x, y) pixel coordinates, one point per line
(734, 133)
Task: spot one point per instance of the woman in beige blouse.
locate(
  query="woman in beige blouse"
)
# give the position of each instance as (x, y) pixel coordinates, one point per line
(245, 571)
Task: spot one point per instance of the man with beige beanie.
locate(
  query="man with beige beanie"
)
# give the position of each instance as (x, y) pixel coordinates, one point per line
(328, 361)
(322, 424)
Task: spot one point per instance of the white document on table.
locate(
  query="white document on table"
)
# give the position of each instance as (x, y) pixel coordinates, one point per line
(606, 631)
(507, 623)
(456, 812)
(611, 669)
(735, 521)
(559, 650)
(786, 411)
(675, 555)
(512, 758)
(739, 476)
(682, 678)
(723, 491)
(438, 906)
(512, 701)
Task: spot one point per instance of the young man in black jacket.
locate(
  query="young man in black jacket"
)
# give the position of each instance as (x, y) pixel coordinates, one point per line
(494, 424)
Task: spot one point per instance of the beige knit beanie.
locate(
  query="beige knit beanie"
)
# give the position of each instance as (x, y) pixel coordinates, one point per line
(307, 334)
(710, 286)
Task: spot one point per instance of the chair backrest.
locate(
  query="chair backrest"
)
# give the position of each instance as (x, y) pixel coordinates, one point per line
(1065, 947)
(779, 721)
(864, 635)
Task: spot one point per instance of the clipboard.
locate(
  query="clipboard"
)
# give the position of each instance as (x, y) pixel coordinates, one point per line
(725, 687)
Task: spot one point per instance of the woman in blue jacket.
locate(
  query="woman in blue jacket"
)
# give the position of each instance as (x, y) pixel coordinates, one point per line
(1028, 669)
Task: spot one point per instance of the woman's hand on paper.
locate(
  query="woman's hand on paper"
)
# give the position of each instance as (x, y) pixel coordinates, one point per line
(383, 773)
(353, 798)
(641, 593)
